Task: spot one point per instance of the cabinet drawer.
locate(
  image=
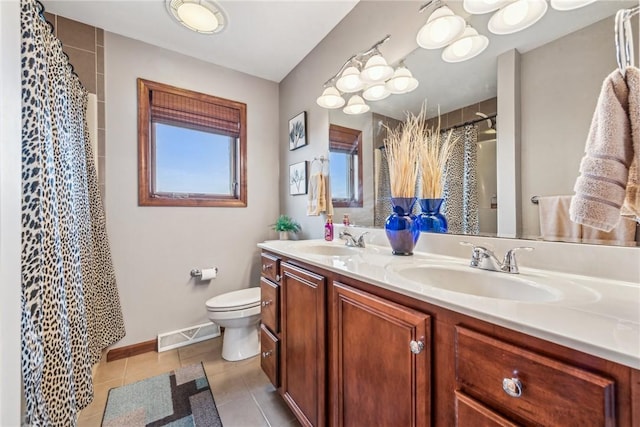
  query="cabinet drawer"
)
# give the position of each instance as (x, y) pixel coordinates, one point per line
(552, 393)
(470, 413)
(270, 267)
(270, 310)
(270, 355)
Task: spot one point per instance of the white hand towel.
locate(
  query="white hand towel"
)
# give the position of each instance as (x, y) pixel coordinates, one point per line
(313, 201)
(554, 219)
(600, 190)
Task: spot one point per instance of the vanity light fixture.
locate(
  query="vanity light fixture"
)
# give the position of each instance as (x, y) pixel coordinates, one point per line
(376, 92)
(517, 15)
(376, 80)
(376, 69)
(479, 7)
(330, 98)
(356, 105)
(469, 45)
(564, 5)
(201, 16)
(402, 81)
(442, 27)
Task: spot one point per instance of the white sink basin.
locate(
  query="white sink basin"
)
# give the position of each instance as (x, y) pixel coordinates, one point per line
(471, 281)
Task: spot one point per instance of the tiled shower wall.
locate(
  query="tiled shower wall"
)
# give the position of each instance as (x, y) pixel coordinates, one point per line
(84, 45)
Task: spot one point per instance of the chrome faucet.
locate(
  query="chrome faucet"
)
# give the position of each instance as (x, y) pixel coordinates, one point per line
(485, 259)
(352, 241)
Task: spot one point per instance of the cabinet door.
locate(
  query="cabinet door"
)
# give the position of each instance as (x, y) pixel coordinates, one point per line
(376, 378)
(303, 343)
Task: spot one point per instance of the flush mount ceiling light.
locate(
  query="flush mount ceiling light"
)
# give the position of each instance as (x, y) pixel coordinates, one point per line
(356, 105)
(442, 27)
(376, 92)
(517, 16)
(376, 69)
(470, 44)
(564, 5)
(349, 81)
(478, 7)
(201, 16)
(330, 98)
(402, 81)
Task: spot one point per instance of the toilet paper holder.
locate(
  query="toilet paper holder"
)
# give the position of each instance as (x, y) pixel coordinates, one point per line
(197, 273)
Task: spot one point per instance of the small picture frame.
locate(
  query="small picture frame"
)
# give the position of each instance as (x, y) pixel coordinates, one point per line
(298, 178)
(298, 131)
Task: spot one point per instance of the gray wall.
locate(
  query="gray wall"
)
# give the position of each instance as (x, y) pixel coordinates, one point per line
(10, 207)
(367, 23)
(154, 248)
(560, 85)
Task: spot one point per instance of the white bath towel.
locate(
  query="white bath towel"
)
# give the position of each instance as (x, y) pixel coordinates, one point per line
(554, 219)
(600, 189)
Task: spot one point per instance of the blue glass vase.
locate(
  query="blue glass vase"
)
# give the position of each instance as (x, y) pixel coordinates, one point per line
(430, 220)
(401, 226)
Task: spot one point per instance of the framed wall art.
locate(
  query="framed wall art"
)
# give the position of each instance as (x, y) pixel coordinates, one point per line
(298, 131)
(298, 178)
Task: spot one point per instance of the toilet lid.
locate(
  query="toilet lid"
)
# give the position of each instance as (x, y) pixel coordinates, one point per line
(236, 300)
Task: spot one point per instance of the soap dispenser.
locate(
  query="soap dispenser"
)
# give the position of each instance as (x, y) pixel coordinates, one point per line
(328, 229)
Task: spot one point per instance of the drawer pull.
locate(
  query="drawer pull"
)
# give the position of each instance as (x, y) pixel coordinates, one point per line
(416, 347)
(267, 302)
(266, 354)
(277, 277)
(266, 267)
(512, 386)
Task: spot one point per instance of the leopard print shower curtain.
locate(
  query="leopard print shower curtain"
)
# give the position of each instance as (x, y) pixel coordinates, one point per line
(70, 304)
(460, 183)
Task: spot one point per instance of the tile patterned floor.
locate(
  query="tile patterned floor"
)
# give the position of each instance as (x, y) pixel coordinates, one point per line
(243, 394)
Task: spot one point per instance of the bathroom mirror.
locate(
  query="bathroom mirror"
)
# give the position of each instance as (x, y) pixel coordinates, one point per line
(563, 61)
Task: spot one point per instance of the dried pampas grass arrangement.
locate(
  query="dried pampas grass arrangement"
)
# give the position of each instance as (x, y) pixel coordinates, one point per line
(435, 150)
(402, 146)
(411, 147)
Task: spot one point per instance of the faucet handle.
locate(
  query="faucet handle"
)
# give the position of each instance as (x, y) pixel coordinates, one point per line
(477, 252)
(509, 264)
(361, 239)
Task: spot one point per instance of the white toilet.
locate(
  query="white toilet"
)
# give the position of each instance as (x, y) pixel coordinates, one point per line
(239, 313)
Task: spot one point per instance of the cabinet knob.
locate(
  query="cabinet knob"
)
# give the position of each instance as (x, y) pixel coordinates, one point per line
(267, 302)
(277, 277)
(266, 267)
(512, 386)
(266, 354)
(416, 347)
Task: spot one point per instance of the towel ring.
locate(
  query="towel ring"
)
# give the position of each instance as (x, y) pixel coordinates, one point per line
(322, 160)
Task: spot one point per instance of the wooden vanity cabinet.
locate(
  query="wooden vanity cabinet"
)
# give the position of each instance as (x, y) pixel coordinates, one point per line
(346, 360)
(270, 317)
(303, 355)
(380, 361)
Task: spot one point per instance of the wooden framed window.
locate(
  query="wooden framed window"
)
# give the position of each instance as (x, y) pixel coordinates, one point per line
(345, 161)
(192, 148)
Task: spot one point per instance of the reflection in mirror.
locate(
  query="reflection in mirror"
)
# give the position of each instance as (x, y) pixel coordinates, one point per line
(345, 160)
(562, 61)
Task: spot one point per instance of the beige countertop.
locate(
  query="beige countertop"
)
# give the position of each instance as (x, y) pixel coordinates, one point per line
(594, 315)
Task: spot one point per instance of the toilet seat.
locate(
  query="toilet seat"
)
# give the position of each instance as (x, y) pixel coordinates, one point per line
(235, 301)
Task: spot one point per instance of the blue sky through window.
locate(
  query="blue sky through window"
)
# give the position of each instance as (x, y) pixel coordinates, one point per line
(192, 161)
(339, 172)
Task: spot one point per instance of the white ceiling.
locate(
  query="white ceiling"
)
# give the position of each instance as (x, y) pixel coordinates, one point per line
(252, 42)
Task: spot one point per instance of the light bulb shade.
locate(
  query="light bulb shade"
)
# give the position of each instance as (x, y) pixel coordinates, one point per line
(466, 47)
(376, 70)
(201, 16)
(330, 98)
(517, 15)
(442, 27)
(478, 7)
(356, 105)
(402, 81)
(564, 5)
(376, 92)
(350, 81)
